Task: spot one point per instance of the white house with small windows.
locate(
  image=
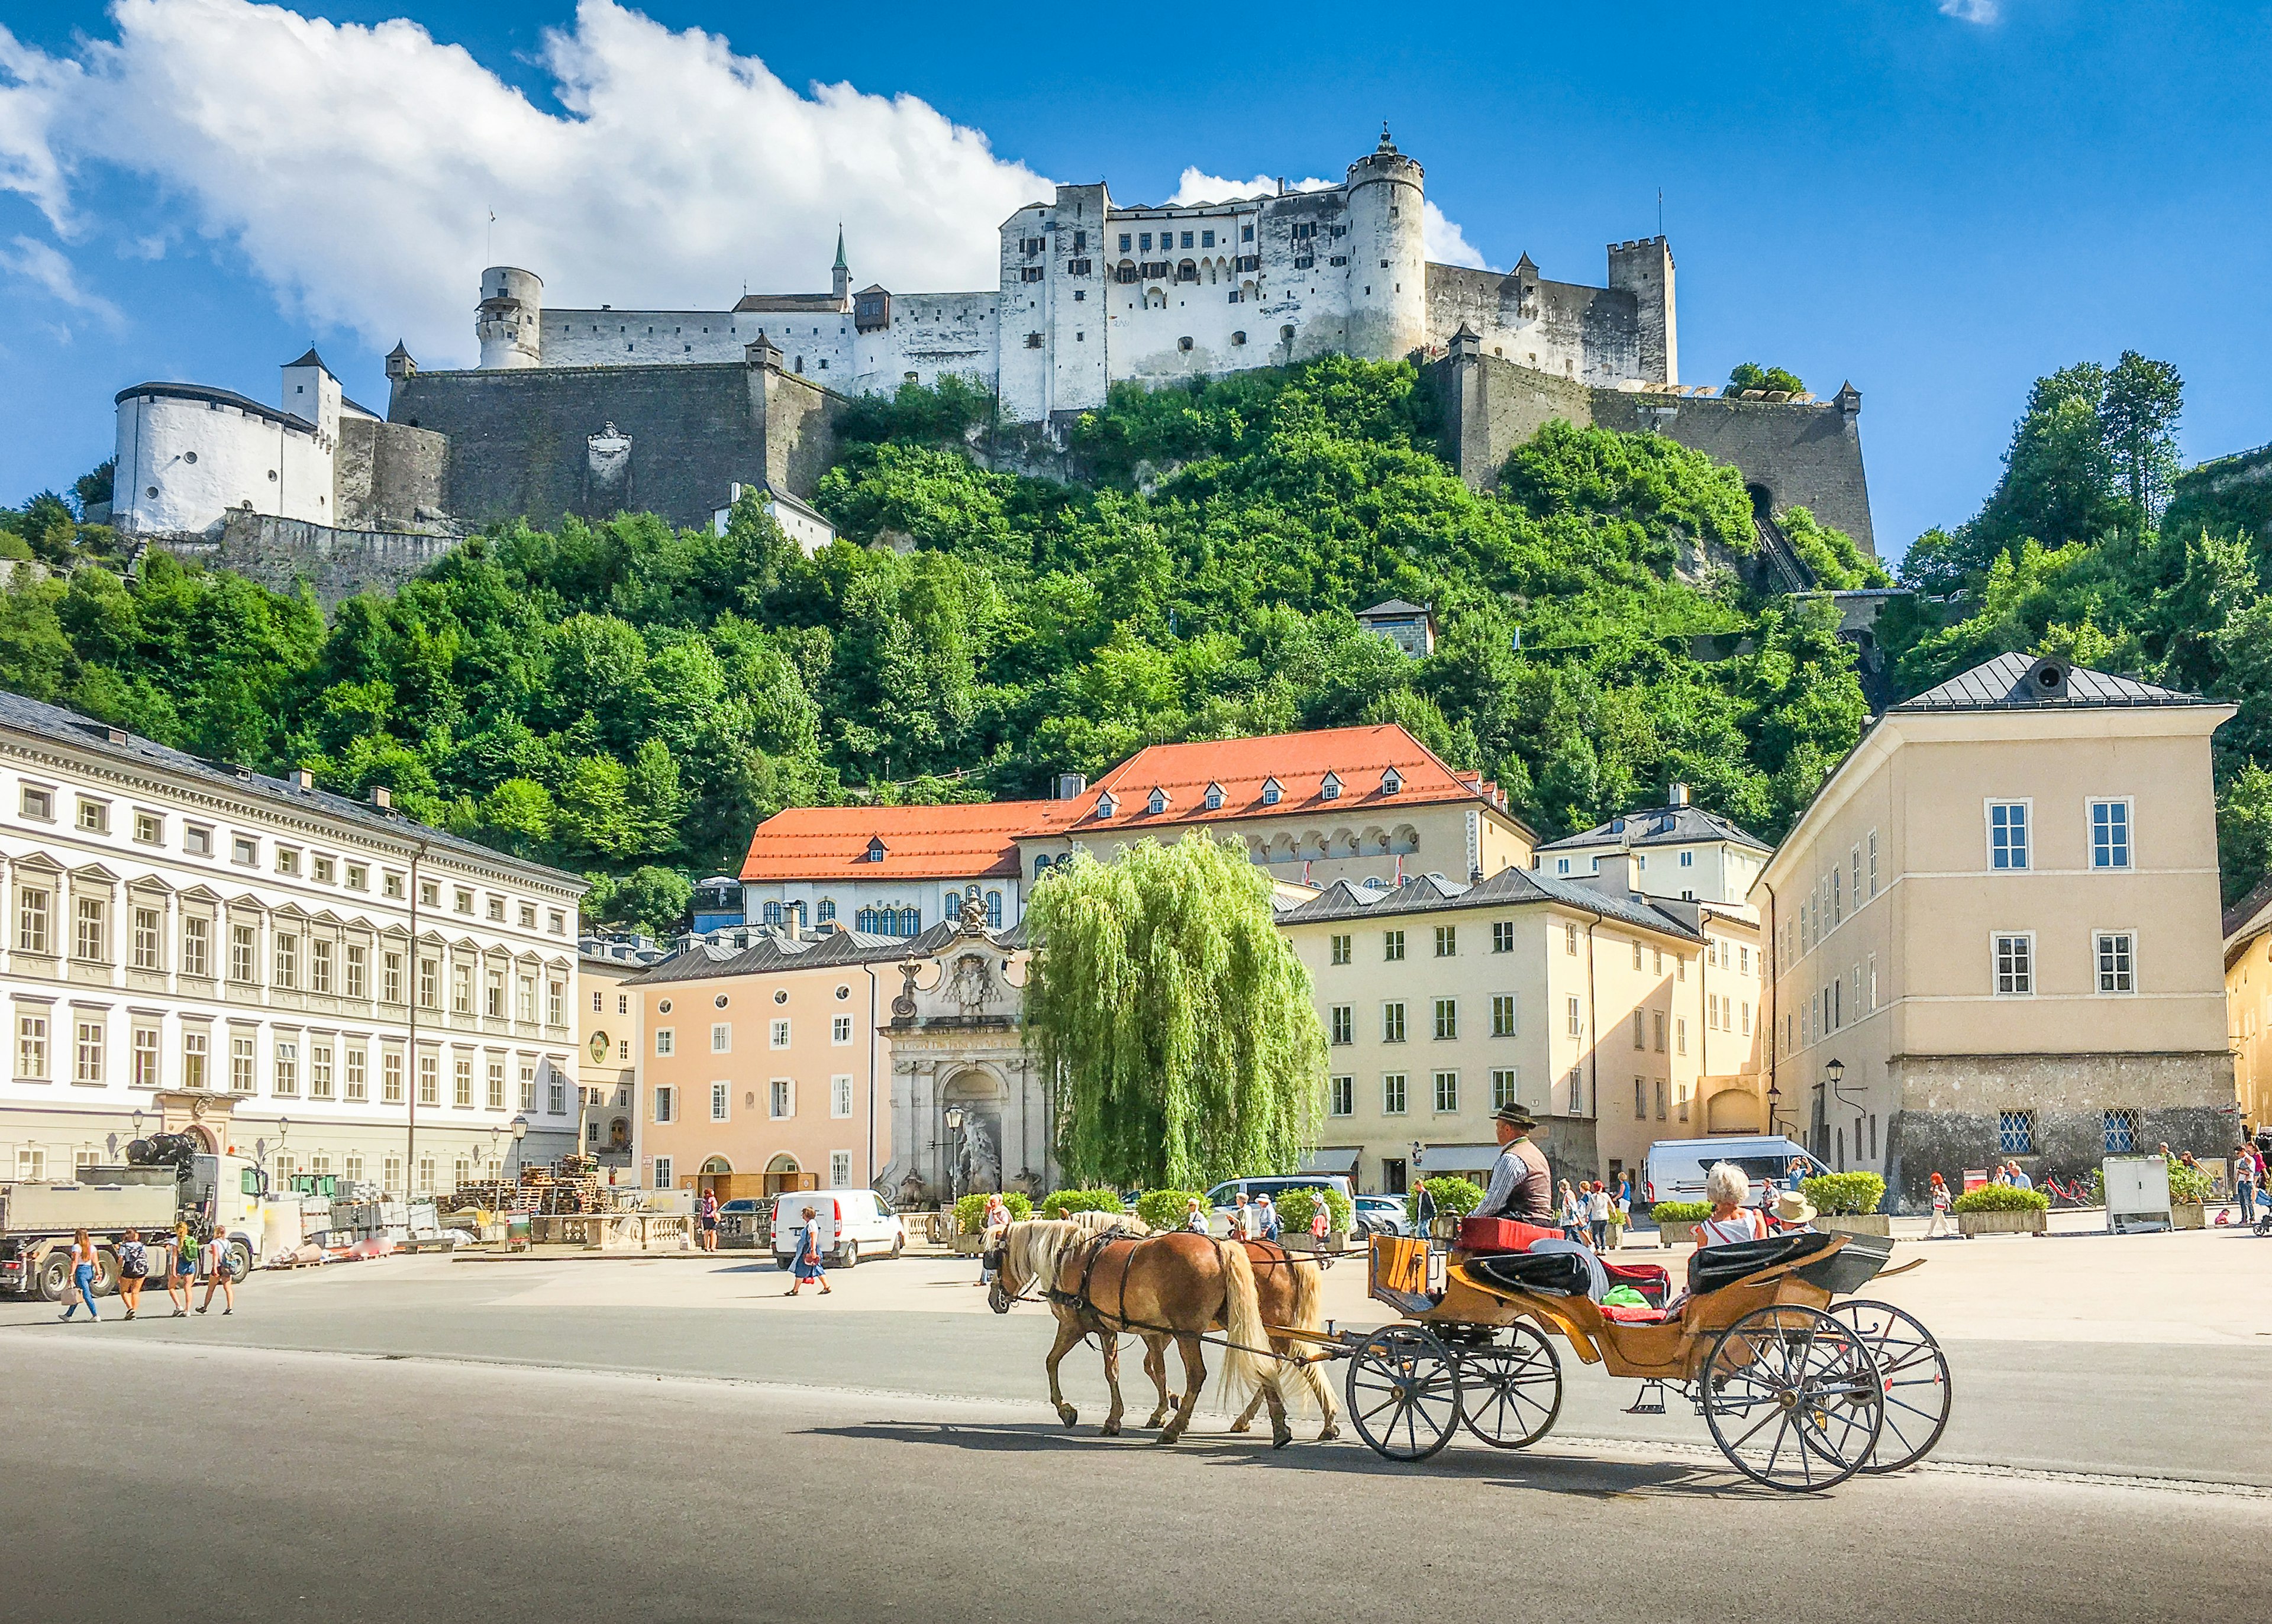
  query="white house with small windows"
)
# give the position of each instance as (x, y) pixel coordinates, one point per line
(319, 983)
(1678, 850)
(1995, 933)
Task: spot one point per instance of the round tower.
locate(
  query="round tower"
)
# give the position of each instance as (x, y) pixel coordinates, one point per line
(512, 306)
(1388, 268)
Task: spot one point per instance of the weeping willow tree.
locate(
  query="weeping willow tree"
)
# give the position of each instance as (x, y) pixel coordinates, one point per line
(1175, 1019)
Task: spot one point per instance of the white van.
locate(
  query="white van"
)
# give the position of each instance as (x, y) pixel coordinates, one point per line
(1222, 1200)
(1676, 1167)
(854, 1224)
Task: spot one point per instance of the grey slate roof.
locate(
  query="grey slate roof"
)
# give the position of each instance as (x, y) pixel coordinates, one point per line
(1661, 826)
(1394, 606)
(2001, 685)
(227, 397)
(53, 722)
(1510, 886)
(781, 953)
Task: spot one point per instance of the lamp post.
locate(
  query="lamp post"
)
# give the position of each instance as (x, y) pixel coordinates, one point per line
(520, 1133)
(953, 1119)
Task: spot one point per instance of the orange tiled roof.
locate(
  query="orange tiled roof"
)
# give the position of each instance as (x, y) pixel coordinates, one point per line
(1298, 763)
(918, 842)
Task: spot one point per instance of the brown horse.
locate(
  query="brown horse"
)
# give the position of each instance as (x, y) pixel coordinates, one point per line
(1291, 1292)
(1162, 1288)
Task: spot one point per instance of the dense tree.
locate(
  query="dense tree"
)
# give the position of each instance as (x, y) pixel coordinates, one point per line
(1751, 375)
(1173, 1019)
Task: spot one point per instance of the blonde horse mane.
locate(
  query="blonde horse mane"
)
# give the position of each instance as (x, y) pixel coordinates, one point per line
(1109, 1222)
(1033, 1249)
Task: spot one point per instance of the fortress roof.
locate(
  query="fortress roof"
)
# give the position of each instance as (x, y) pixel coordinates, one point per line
(223, 397)
(818, 303)
(312, 359)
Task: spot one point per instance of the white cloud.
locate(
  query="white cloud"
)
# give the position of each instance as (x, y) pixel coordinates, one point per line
(1972, 10)
(355, 167)
(1441, 240)
(45, 267)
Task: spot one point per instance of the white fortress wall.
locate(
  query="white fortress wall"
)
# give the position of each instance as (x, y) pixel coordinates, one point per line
(1565, 328)
(929, 334)
(645, 338)
(185, 456)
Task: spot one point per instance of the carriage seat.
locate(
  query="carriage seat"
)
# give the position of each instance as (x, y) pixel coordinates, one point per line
(1501, 1235)
(1712, 1268)
(1549, 1274)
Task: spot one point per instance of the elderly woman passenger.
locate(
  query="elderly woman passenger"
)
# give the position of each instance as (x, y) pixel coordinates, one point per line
(1727, 1188)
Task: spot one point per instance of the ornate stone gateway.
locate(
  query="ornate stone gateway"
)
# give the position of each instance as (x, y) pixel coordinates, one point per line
(968, 1109)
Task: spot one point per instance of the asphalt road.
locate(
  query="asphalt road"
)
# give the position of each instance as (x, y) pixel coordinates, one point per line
(152, 1478)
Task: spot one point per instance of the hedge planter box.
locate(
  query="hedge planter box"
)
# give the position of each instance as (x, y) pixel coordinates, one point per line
(1969, 1224)
(1335, 1241)
(2188, 1216)
(1859, 1222)
(969, 1246)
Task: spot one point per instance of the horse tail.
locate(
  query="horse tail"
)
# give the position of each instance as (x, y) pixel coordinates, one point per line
(1309, 1391)
(1246, 1363)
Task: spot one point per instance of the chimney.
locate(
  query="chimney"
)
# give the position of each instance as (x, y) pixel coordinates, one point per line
(1613, 873)
(382, 798)
(304, 778)
(1679, 793)
(1069, 786)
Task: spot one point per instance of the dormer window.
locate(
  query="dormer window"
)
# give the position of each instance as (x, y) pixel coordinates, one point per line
(1391, 782)
(874, 849)
(1273, 792)
(1331, 788)
(1156, 801)
(1106, 806)
(1213, 799)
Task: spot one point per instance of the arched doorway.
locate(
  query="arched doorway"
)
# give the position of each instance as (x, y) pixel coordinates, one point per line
(782, 1175)
(971, 1152)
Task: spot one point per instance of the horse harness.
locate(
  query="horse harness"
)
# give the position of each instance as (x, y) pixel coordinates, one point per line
(1083, 1306)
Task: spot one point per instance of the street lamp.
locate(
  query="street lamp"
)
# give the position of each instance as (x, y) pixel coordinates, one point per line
(953, 1119)
(520, 1133)
(1835, 1070)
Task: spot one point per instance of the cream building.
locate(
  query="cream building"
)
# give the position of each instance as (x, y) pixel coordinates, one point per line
(1617, 1018)
(319, 983)
(1995, 933)
(2249, 1001)
(608, 1053)
(1678, 850)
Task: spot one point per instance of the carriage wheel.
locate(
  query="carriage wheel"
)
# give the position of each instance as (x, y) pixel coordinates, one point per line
(1403, 1391)
(1510, 1395)
(1794, 1398)
(1916, 1376)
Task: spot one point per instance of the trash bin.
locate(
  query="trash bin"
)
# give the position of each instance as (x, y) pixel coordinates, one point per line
(518, 1228)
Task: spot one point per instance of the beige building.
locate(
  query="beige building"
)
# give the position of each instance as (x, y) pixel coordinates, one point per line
(1678, 850)
(1995, 933)
(1617, 1018)
(2249, 1001)
(607, 1051)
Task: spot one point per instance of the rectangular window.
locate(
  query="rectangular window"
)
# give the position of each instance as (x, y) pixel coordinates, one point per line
(778, 1034)
(39, 803)
(718, 1101)
(665, 1103)
(666, 1040)
(146, 1058)
(32, 1048)
(495, 1081)
(1747, 1017)
(1503, 1090)
(2007, 834)
(2110, 834)
(556, 1003)
(493, 994)
(1870, 998)
(1637, 956)
(88, 919)
(1447, 1018)
(197, 947)
(2114, 962)
(319, 966)
(1340, 1096)
(1448, 941)
(464, 900)
(429, 1080)
(840, 1029)
(93, 816)
(324, 869)
(147, 940)
(461, 989)
(87, 1050)
(2015, 1133)
(840, 1162)
(193, 1059)
(1392, 1093)
(461, 1084)
(286, 1082)
(1503, 936)
(319, 1071)
(32, 922)
(1640, 1029)
(1641, 1099)
(1340, 949)
(358, 978)
(358, 876)
(287, 860)
(1392, 945)
(782, 1098)
(245, 849)
(2015, 965)
(1837, 899)
(555, 1097)
(1502, 1014)
(1577, 1093)
(527, 1088)
(1577, 1028)
(1392, 1023)
(1657, 1027)
(244, 942)
(1873, 847)
(524, 997)
(2120, 1130)
(288, 962)
(1657, 1087)
(1570, 939)
(241, 1063)
(662, 1173)
(722, 1037)
(358, 1075)
(1447, 1092)
(1680, 1035)
(1341, 1020)
(1681, 1103)
(496, 910)
(839, 1095)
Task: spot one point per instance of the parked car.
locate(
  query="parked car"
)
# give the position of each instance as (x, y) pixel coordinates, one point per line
(1219, 1198)
(741, 1221)
(1382, 1215)
(857, 1224)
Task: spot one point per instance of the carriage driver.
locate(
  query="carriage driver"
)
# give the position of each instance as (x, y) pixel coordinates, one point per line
(1521, 1185)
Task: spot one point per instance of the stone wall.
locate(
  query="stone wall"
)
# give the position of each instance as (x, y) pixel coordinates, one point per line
(389, 476)
(336, 563)
(1948, 1120)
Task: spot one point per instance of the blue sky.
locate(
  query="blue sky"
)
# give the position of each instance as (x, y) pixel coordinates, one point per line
(1940, 199)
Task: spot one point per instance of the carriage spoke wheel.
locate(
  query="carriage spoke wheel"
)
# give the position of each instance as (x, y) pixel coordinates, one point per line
(1403, 1391)
(1915, 1380)
(1510, 1395)
(1794, 1398)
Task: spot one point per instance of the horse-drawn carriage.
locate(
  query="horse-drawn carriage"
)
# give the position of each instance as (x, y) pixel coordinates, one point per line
(1801, 1390)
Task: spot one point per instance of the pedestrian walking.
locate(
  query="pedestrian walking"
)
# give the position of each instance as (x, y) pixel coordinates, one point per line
(1572, 1216)
(1266, 1213)
(709, 1220)
(82, 1262)
(1597, 1214)
(1942, 1223)
(990, 1222)
(1320, 1223)
(220, 1273)
(181, 1265)
(2019, 1177)
(2245, 1172)
(133, 1269)
(1620, 1215)
(1195, 1217)
(808, 1257)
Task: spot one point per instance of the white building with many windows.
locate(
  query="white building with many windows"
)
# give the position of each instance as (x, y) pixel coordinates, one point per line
(320, 983)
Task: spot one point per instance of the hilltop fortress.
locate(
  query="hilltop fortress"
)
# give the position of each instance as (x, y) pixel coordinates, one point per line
(593, 411)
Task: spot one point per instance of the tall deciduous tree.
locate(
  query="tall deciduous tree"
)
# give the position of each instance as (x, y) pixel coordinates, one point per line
(1175, 1019)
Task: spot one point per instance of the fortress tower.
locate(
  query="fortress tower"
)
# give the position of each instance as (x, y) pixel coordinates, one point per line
(513, 304)
(1388, 269)
(1644, 269)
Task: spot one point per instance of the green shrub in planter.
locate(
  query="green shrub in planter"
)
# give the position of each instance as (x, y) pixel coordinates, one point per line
(1164, 1210)
(1675, 1214)
(1451, 1193)
(1063, 1203)
(2001, 1197)
(1844, 1192)
(1296, 1206)
(2189, 1186)
(970, 1211)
